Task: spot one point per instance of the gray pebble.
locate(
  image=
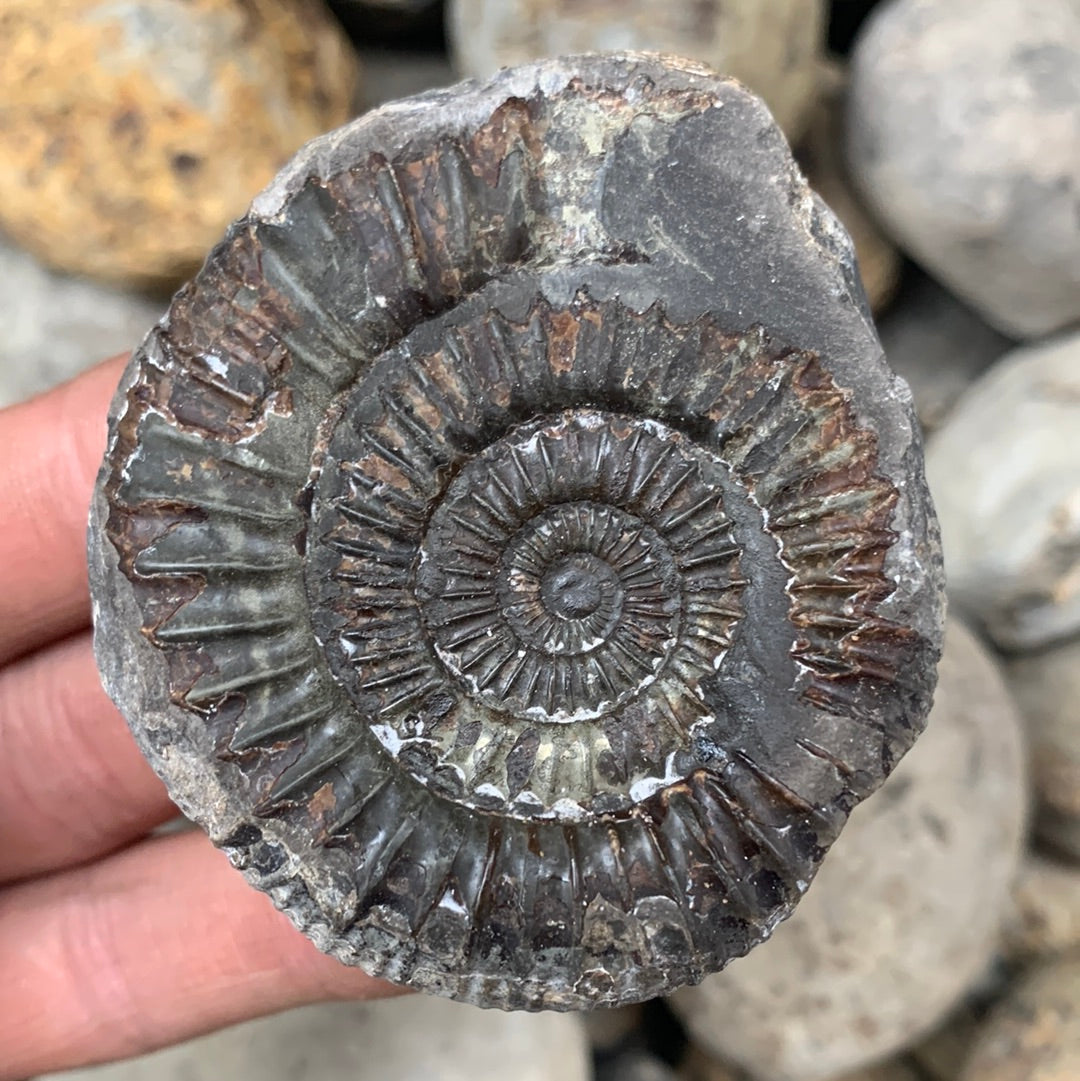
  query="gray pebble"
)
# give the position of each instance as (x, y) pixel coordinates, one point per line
(964, 136)
(1004, 471)
(771, 45)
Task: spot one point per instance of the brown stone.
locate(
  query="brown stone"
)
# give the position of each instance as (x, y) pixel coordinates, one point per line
(132, 133)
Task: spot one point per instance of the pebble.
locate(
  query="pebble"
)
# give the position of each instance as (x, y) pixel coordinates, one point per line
(1045, 917)
(132, 133)
(1004, 471)
(1034, 1033)
(962, 136)
(906, 910)
(939, 345)
(54, 325)
(771, 45)
(1047, 688)
(698, 1066)
(417, 1038)
(820, 155)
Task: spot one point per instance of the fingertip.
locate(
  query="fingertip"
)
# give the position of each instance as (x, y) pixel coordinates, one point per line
(50, 450)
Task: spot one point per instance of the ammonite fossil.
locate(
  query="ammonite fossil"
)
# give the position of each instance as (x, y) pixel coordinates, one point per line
(512, 547)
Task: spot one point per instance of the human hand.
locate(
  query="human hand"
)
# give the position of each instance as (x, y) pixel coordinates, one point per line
(111, 943)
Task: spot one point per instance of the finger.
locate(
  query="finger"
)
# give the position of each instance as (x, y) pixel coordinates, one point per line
(73, 785)
(154, 945)
(50, 450)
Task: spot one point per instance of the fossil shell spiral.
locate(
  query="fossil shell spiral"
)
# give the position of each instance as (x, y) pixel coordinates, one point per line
(512, 547)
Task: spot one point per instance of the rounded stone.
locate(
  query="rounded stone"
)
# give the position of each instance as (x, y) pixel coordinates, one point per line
(962, 138)
(771, 45)
(416, 1038)
(131, 134)
(1044, 920)
(610, 1030)
(906, 911)
(1047, 689)
(1034, 1033)
(55, 326)
(820, 155)
(938, 345)
(1005, 473)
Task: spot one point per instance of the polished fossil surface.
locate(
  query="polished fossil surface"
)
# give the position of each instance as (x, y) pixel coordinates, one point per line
(512, 547)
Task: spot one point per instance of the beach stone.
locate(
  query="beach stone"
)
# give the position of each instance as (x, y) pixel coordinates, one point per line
(1047, 688)
(962, 136)
(771, 45)
(939, 345)
(1045, 916)
(905, 912)
(1034, 1033)
(1004, 471)
(55, 325)
(820, 155)
(416, 1038)
(941, 1056)
(132, 133)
